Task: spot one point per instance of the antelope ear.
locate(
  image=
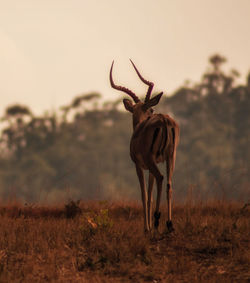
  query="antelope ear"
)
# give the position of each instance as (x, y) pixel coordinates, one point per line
(128, 105)
(153, 101)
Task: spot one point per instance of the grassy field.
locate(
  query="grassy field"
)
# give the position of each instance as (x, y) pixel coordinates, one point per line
(104, 242)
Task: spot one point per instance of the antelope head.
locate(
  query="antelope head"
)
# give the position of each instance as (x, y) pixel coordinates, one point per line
(139, 109)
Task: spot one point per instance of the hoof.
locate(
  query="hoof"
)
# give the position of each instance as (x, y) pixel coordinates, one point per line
(170, 226)
(157, 216)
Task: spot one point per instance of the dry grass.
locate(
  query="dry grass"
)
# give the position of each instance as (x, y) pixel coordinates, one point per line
(104, 242)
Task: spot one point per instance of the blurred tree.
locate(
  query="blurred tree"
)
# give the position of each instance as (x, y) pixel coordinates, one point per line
(85, 150)
(13, 135)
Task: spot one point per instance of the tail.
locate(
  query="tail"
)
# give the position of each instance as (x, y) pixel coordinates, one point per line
(165, 137)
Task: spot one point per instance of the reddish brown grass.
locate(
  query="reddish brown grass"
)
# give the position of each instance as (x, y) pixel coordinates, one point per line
(104, 242)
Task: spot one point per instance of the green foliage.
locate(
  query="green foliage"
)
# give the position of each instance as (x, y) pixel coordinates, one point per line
(103, 220)
(92, 222)
(84, 149)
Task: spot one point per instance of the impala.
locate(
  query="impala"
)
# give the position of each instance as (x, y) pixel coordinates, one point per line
(155, 138)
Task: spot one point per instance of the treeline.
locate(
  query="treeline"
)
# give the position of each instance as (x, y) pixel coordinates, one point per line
(82, 151)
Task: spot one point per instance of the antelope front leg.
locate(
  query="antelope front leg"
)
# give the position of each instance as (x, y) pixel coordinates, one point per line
(140, 175)
(150, 200)
(157, 214)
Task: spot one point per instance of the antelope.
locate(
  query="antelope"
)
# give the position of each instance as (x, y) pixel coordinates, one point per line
(155, 138)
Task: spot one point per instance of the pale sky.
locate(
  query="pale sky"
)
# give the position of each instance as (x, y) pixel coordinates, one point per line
(53, 50)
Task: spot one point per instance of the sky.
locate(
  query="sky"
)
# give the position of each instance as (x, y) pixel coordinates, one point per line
(54, 50)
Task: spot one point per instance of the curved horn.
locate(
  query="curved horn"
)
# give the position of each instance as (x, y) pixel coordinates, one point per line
(150, 84)
(121, 88)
